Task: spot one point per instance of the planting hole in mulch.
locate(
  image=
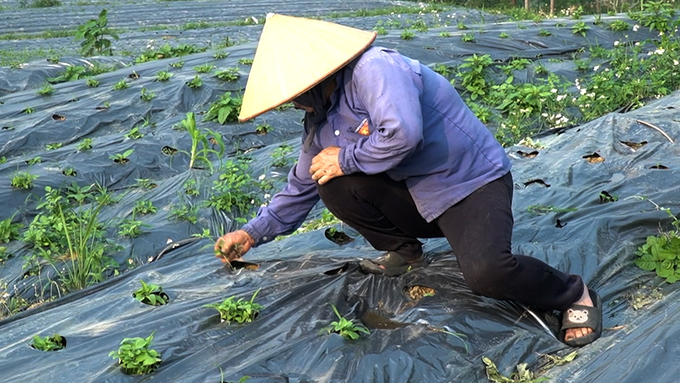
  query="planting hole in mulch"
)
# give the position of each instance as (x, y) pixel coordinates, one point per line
(659, 166)
(634, 145)
(57, 117)
(7, 128)
(528, 154)
(559, 224)
(121, 160)
(69, 172)
(236, 265)
(594, 158)
(167, 150)
(338, 270)
(338, 237)
(605, 197)
(537, 181)
(133, 75)
(417, 292)
(375, 320)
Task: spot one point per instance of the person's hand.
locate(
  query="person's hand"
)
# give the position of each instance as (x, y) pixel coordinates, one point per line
(233, 245)
(326, 165)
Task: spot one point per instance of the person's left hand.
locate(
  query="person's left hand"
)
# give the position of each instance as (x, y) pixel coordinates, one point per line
(326, 165)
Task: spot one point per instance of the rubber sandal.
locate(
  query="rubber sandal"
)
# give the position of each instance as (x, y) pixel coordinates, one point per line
(390, 264)
(578, 316)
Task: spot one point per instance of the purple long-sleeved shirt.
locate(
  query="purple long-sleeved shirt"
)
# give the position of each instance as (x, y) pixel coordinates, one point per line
(420, 131)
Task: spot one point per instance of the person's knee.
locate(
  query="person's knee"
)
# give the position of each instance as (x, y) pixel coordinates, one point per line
(489, 276)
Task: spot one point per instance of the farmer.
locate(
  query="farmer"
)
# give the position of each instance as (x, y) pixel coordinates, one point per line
(393, 151)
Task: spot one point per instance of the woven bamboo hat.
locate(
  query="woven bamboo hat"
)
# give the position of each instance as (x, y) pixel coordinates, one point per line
(293, 55)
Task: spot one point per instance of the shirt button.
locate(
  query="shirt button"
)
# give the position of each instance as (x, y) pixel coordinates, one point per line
(337, 132)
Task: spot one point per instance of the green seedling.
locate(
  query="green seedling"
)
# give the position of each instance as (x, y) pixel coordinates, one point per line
(93, 33)
(445, 34)
(220, 55)
(48, 343)
(522, 375)
(229, 74)
(196, 82)
(280, 156)
(69, 172)
(545, 209)
(246, 61)
(580, 28)
(146, 95)
(150, 294)
(34, 161)
(544, 33)
(54, 146)
(92, 82)
(205, 68)
(190, 188)
(131, 228)
(263, 129)
(143, 207)
(226, 109)
(177, 64)
(145, 183)
(28, 110)
(504, 35)
(85, 144)
(163, 76)
(407, 34)
(9, 231)
(23, 180)
(120, 85)
(135, 356)
(185, 212)
(348, 329)
(46, 90)
(661, 253)
(468, 38)
(462, 26)
(237, 311)
(122, 158)
(134, 134)
(233, 191)
(380, 30)
(201, 143)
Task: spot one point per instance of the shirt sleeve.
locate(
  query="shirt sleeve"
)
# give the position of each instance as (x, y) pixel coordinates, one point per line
(288, 208)
(387, 87)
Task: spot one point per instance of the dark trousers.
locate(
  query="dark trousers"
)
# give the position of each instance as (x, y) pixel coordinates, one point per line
(478, 228)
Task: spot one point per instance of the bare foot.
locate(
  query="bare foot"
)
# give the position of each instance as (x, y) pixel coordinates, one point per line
(574, 333)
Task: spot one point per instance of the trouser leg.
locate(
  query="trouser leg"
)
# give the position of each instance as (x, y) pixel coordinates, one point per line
(479, 230)
(381, 210)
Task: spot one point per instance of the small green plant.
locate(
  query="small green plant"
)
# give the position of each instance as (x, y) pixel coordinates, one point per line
(201, 143)
(545, 209)
(163, 76)
(263, 129)
(85, 144)
(185, 212)
(122, 158)
(53, 146)
(146, 95)
(544, 33)
(92, 82)
(443, 69)
(135, 356)
(280, 156)
(504, 35)
(145, 183)
(522, 375)
(9, 231)
(190, 187)
(380, 30)
(46, 90)
(237, 311)
(661, 253)
(234, 190)
(205, 68)
(48, 343)
(93, 33)
(177, 64)
(468, 38)
(130, 228)
(143, 207)
(194, 83)
(23, 180)
(39, 3)
(537, 19)
(34, 161)
(28, 110)
(444, 34)
(580, 28)
(246, 61)
(582, 64)
(560, 24)
(220, 55)
(407, 34)
(150, 294)
(462, 26)
(120, 85)
(229, 74)
(473, 77)
(69, 172)
(577, 13)
(226, 109)
(348, 329)
(134, 134)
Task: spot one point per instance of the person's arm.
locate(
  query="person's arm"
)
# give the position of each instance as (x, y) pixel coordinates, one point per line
(288, 208)
(387, 88)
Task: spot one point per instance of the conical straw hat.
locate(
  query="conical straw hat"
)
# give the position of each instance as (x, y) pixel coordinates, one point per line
(293, 55)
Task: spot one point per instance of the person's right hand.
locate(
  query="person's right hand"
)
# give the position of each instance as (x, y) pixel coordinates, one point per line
(233, 245)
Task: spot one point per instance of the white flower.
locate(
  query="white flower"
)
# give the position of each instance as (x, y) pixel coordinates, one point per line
(616, 43)
(596, 68)
(675, 62)
(267, 195)
(635, 28)
(561, 97)
(553, 90)
(261, 177)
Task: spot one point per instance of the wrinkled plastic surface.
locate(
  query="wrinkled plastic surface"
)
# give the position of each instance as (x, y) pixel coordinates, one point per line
(411, 340)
